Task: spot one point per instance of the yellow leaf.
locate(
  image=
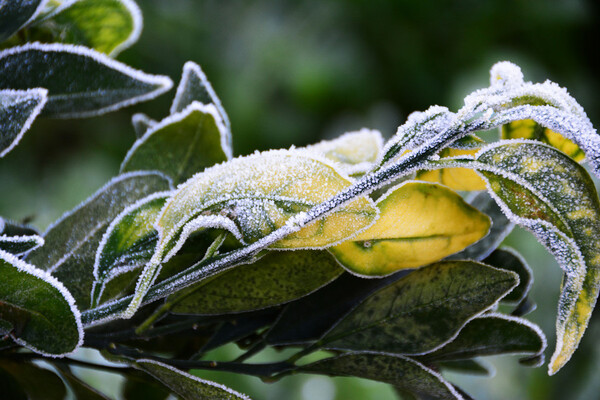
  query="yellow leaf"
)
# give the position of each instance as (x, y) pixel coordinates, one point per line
(419, 223)
(455, 178)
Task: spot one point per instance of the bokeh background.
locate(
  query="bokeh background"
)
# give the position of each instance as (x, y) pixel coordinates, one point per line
(295, 72)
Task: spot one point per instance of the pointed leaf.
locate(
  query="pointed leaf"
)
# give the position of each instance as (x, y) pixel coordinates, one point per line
(563, 213)
(15, 14)
(194, 86)
(108, 26)
(20, 244)
(529, 129)
(71, 242)
(355, 152)
(38, 383)
(128, 242)
(420, 223)
(492, 334)
(509, 259)
(105, 86)
(141, 123)
(277, 278)
(42, 312)
(423, 310)
(252, 197)
(18, 109)
(182, 144)
(402, 372)
(188, 387)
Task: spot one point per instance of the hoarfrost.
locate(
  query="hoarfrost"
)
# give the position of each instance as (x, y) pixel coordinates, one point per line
(141, 123)
(18, 110)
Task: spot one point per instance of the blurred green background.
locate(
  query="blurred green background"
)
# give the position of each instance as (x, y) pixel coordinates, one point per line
(295, 72)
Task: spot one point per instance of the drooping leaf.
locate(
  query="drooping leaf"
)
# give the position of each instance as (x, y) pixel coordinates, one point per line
(15, 14)
(108, 26)
(454, 178)
(188, 387)
(38, 383)
(492, 334)
(509, 259)
(402, 372)
(141, 123)
(307, 319)
(529, 129)
(423, 310)
(563, 213)
(194, 86)
(277, 278)
(18, 109)
(39, 308)
(182, 144)
(355, 152)
(420, 223)
(81, 82)
(128, 243)
(472, 367)
(501, 227)
(71, 242)
(252, 197)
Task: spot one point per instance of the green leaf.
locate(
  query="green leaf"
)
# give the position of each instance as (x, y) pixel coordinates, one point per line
(188, 387)
(509, 259)
(194, 86)
(182, 144)
(136, 388)
(14, 14)
(563, 213)
(492, 334)
(419, 223)
(20, 244)
(38, 383)
(277, 278)
(80, 389)
(251, 197)
(18, 110)
(128, 242)
(423, 310)
(105, 86)
(71, 242)
(402, 372)
(108, 26)
(40, 309)
(472, 367)
(355, 152)
(141, 123)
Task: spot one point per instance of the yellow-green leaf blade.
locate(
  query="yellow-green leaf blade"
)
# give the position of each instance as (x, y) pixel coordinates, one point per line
(419, 223)
(454, 178)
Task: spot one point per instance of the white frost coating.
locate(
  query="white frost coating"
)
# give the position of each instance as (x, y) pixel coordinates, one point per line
(35, 14)
(164, 83)
(98, 193)
(141, 123)
(191, 70)
(195, 106)
(506, 74)
(39, 94)
(46, 277)
(39, 241)
(188, 376)
(136, 16)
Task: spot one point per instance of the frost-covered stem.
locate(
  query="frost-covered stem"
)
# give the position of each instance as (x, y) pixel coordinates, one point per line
(207, 268)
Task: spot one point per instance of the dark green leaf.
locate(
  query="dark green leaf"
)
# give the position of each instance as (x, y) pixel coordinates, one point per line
(41, 311)
(80, 82)
(38, 383)
(141, 123)
(108, 26)
(394, 369)
(501, 227)
(492, 334)
(472, 367)
(20, 244)
(188, 387)
(136, 388)
(182, 144)
(509, 259)
(81, 390)
(277, 278)
(14, 14)
(18, 109)
(11, 389)
(72, 241)
(423, 310)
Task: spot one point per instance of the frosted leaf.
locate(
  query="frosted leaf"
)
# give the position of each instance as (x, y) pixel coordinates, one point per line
(20, 244)
(18, 110)
(194, 86)
(107, 84)
(40, 310)
(141, 123)
(506, 75)
(16, 14)
(259, 193)
(355, 152)
(182, 144)
(545, 191)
